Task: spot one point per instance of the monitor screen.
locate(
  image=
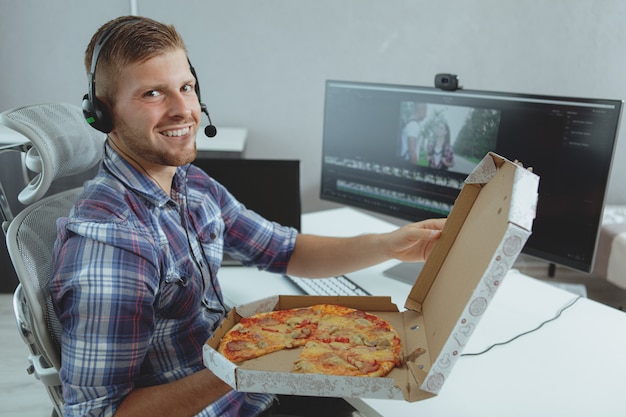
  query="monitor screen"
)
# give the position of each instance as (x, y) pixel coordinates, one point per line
(405, 151)
(270, 187)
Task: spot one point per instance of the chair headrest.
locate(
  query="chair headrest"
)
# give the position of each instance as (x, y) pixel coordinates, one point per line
(62, 143)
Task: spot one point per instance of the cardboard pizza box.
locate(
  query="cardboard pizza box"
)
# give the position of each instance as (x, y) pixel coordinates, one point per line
(485, 232)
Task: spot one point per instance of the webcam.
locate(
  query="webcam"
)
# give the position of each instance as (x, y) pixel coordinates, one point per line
(448, 82)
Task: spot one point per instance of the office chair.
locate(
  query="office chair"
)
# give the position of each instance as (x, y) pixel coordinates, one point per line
(60, 144)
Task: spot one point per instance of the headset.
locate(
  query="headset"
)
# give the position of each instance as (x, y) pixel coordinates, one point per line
(97, 113)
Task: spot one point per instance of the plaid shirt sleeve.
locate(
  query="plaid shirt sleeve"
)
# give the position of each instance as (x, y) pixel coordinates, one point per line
(242, 233)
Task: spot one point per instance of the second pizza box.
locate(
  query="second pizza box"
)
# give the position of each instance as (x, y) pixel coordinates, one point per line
(485, 232)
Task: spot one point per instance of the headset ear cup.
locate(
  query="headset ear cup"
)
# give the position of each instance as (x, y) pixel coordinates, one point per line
(105, 123)
(97, 114)
(88, 110)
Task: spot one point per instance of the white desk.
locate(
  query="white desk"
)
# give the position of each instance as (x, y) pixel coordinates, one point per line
(10, 136)
(574, 366)
(230, 142)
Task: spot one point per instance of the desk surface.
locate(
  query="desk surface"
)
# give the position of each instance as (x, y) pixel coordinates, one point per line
(9, 136)
(573, 366)
(228, 139)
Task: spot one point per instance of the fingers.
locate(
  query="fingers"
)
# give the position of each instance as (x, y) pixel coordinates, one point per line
(414, 241)
(428, 229)
(433, 224)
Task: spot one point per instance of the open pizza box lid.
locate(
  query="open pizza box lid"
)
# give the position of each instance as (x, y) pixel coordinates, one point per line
(485, 232)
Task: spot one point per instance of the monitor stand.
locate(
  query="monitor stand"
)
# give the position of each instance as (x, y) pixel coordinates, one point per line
(406, 272)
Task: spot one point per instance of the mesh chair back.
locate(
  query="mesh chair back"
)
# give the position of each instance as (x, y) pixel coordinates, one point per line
(62, 143)
(30, 240)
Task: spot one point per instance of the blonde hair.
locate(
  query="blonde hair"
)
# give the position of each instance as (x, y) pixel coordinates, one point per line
(131, 39)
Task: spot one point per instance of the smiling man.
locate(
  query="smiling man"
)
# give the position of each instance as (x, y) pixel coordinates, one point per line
(136, 263)
(161, 115)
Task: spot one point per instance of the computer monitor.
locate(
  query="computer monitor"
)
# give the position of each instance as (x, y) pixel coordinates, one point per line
(374, 159)
(270, 187)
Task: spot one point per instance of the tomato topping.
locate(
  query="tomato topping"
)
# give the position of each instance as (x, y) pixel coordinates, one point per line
(269, 330)
(303, 323)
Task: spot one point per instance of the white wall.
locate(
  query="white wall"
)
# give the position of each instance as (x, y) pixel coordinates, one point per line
(262, 64)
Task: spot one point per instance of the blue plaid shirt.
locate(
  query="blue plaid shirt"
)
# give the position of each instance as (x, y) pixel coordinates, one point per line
(133, 289)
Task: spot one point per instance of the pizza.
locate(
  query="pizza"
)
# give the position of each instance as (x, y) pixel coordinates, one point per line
(336, 340)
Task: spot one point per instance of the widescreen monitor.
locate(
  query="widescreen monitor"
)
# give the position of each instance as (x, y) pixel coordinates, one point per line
(405, 151)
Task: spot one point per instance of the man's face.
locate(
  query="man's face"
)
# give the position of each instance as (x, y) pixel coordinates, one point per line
(157, 112)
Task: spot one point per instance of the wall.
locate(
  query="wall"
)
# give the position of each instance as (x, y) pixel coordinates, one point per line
(262, 64)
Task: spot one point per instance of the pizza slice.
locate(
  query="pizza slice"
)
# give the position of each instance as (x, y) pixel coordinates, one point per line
(268, 332)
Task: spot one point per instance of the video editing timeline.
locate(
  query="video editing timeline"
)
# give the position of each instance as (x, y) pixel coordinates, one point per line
(569, 142)
(388, 195)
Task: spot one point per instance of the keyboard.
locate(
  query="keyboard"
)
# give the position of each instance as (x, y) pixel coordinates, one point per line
(340, 285)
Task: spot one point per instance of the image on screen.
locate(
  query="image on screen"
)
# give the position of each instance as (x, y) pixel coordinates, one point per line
(444, 137)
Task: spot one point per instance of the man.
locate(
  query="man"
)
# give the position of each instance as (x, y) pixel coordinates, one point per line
(411, 139)
(135, 276)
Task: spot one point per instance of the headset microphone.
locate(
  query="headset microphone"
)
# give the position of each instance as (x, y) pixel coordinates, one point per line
(210, 130)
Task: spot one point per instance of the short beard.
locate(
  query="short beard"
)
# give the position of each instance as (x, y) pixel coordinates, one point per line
(133, 141)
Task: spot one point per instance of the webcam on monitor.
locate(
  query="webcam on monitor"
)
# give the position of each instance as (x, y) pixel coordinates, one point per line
(448, 82)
